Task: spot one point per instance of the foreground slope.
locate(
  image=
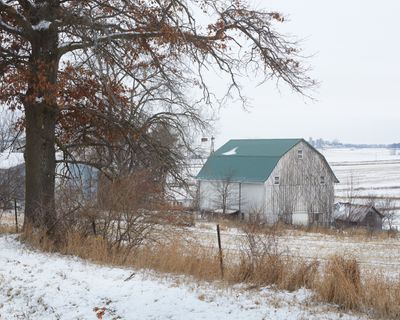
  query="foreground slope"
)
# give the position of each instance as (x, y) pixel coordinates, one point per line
(35, 285)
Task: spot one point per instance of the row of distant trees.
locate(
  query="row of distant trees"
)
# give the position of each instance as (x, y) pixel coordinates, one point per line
(322, 143)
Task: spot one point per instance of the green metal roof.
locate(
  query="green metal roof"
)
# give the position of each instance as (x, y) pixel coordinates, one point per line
(246, 160)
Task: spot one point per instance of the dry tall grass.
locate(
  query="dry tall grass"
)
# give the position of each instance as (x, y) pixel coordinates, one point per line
(183, 256)
(7, 229)
(382, 296)
(341, 283)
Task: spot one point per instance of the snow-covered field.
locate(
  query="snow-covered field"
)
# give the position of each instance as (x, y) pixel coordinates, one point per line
(42, 286)
(369, 172)
(372, 171)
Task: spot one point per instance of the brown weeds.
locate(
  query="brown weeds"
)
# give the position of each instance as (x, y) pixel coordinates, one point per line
(341, 283)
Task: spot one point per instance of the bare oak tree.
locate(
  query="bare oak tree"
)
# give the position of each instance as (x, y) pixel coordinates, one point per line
(50, 68)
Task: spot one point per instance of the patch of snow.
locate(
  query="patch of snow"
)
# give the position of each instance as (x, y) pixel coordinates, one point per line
(39, 99)
(11, 159)
(230, 152)
(42, 25)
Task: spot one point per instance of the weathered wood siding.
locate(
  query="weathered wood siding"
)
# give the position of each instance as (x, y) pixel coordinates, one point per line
(300, 196)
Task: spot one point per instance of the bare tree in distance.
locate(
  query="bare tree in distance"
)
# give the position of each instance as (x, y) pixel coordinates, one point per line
(50, 48)
(388, 208)
(9, 132)
(11, 175)
(226, 197)
(352, 197)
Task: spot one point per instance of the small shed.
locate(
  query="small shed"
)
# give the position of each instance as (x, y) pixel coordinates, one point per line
(347, 215)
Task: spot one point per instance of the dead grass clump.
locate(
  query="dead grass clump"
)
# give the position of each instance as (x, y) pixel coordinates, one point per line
(341, 283)
(283, 272)
(93, 248)
(190, 259)
(38, 239)
(382, 296)
(7, 229)
(263, 262)
(302, 275)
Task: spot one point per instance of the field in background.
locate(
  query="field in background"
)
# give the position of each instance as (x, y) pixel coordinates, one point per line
(370, 172)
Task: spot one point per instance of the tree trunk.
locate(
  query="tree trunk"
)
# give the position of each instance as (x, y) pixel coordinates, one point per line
(41, 114)
(40, 166)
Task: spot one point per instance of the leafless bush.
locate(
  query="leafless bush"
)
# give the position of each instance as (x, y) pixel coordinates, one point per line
(125, 213)
(263, 262)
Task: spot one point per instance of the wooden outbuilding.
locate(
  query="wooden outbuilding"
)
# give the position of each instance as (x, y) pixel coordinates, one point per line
(355, 215)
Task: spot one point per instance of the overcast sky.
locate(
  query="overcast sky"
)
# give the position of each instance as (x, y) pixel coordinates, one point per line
(357, 50)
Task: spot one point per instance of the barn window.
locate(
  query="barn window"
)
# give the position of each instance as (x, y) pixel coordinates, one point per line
(300, 154)
(276, 180)
(322, 179)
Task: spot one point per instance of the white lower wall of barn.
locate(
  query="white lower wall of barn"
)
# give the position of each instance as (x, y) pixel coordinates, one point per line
(249, 197)
(211, 195)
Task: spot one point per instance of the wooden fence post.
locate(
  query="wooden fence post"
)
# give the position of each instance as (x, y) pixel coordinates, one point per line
(16, 215)
(221, 262)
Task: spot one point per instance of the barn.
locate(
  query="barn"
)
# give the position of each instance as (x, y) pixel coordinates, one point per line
(268, 180)
(356, 215)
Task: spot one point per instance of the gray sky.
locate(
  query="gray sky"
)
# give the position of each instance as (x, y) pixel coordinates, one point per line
(357, 48)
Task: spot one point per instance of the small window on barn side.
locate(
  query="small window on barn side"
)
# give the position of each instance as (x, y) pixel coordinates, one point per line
(276, 180)
(300, 154)
(322, 179)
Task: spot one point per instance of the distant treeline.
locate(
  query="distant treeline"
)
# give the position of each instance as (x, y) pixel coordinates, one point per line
(321, 143)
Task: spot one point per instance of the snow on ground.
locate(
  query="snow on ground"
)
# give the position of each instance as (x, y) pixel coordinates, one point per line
(35, 285)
